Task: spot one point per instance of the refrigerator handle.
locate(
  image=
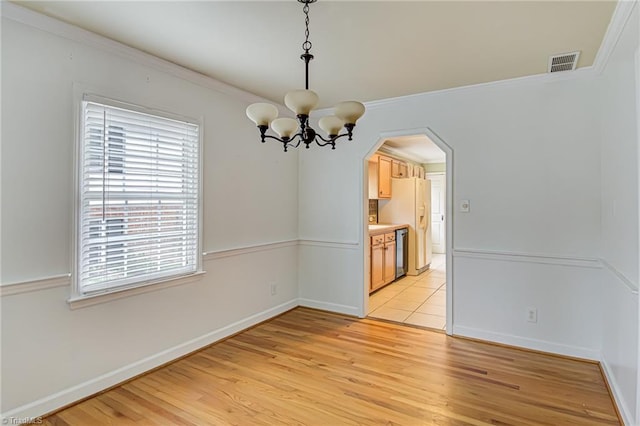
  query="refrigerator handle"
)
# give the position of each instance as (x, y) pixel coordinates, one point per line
(427, 215)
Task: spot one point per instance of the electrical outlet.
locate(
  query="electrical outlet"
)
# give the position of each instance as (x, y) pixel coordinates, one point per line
(274, 289)
(465, 206)
(532, 315)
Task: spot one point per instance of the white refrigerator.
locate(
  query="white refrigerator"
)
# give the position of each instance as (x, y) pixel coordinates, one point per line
(410, 203)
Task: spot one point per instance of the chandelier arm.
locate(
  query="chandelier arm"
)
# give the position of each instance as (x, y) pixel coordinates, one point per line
(327, 142)
(287, 142)
(332, 140)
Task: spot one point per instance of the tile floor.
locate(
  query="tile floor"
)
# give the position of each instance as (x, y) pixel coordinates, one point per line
(418, 300)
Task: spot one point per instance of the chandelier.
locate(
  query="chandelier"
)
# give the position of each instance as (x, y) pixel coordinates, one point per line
(292, 132)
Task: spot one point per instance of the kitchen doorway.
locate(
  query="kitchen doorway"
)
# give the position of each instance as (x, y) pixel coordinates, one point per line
(421, 297)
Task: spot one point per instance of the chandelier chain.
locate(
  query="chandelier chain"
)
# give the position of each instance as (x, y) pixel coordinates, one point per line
(306, 46)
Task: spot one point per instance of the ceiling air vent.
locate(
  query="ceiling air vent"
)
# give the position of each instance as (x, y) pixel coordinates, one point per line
(563, 62)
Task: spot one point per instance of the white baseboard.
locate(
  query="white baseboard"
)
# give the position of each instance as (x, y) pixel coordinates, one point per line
(68, 396)
(627, 419)
(528, 343)
(332, 307)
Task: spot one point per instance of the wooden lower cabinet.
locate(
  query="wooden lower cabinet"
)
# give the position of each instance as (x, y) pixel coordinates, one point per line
(383, 260)
(390, 261)
(377, 264)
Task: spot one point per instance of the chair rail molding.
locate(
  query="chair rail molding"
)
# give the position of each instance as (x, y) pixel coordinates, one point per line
(347, 245)
(63, 280)
(630, 285)
(219, 254)
(35, 285)
(511, 256)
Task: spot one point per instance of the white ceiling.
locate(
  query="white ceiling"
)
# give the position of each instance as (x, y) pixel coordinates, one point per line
(364, 50)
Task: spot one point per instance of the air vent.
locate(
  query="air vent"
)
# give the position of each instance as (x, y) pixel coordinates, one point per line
(563, 62)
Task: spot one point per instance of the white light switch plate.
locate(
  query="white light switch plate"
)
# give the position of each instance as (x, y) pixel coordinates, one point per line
(464, 206)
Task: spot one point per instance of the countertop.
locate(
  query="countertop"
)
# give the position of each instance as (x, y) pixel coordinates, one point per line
(382, 228)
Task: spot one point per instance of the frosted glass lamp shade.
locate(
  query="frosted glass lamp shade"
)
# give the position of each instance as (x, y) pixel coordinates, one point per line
(284, 127)
(262, 113)
(331, 124)
(349, 111)
(301, 101)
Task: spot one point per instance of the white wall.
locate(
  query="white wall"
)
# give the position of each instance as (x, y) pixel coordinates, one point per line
(532, 236)
(53, 355)
(619, 165)
(549, 218)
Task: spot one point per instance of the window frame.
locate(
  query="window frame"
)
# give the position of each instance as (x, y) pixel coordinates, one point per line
(78, 298)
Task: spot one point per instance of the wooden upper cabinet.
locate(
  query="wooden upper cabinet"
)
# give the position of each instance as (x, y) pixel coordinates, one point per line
(384, 177)
(399, 169)
(395, 168)
(373, 178)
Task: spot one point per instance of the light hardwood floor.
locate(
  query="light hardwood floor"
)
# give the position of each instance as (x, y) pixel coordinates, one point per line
(309, 367)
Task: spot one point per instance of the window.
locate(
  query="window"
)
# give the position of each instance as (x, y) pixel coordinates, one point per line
(139, 185)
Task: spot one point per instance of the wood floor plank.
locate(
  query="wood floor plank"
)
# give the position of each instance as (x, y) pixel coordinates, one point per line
(308, 367)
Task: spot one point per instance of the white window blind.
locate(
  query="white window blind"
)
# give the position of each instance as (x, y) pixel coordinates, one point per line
(139, 198)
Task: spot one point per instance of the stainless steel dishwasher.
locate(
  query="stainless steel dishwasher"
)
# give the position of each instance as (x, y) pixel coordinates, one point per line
(402, 251)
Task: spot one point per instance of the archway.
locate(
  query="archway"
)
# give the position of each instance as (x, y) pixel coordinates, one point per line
(440, 143)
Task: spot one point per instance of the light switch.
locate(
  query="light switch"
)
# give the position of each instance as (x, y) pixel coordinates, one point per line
(464, 206)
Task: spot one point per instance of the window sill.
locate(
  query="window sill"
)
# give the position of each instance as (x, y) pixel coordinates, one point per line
(82, 301)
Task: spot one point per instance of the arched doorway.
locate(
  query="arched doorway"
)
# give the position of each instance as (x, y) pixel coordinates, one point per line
(414, 136)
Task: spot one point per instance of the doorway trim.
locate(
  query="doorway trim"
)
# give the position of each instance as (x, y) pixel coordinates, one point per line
(428, 132)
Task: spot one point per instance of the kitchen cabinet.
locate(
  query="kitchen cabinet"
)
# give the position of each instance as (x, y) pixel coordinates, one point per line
(399, 169)
(384, 177)
(383, 260)
(377, 262)
(373, 177)
(404, 171)
(389, 257)
(379, 177)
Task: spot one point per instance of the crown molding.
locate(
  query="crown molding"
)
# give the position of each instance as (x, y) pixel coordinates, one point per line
(619, 20)
(76, 34)
(585, 72)
(401, 155)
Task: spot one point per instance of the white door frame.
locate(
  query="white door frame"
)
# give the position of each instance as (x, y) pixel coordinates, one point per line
(449, 215)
